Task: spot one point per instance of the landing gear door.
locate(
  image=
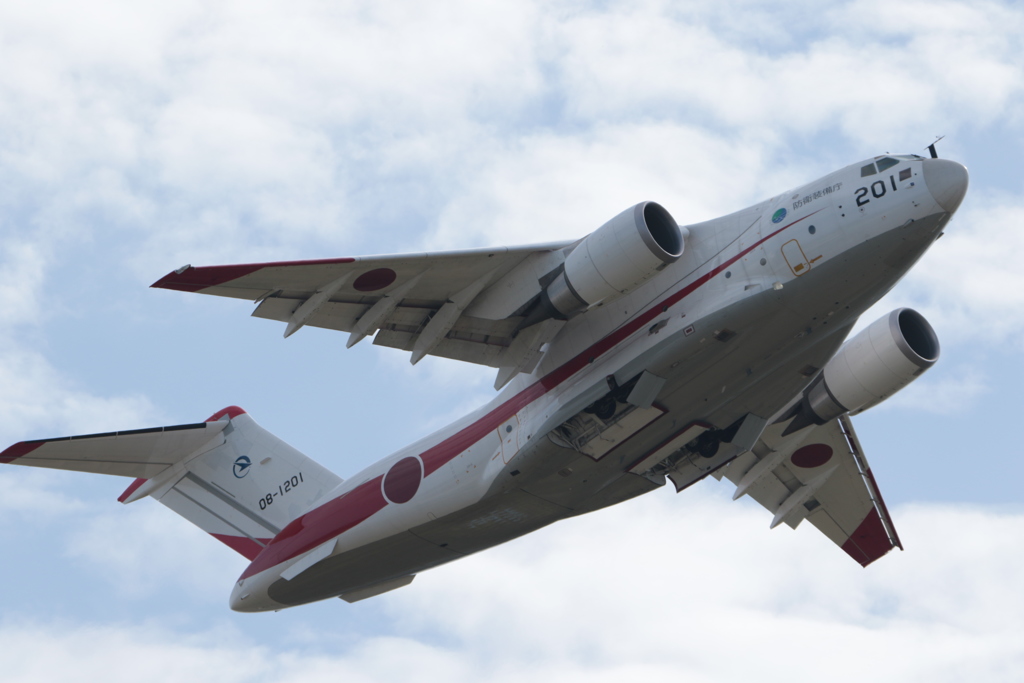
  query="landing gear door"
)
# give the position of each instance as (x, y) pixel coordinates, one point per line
(508, 432)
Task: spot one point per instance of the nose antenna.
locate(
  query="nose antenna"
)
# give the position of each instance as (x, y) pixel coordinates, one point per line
(931, 147)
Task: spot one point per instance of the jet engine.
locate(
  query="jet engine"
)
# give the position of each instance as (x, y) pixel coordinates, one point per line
(872, 366)
(882, 359)
(613, 260)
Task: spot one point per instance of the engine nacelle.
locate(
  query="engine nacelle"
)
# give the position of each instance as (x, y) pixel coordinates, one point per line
(882, 359)
(614, 259)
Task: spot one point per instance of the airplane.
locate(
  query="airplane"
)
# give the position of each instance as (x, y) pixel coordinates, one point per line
(644, 353)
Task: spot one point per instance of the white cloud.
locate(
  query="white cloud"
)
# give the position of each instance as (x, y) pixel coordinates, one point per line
(35, 493)
(669, 587)
(241, 131)
(670, 577)
(145, 139)
(248, 126)
(949, 392)
(146, 549)
(22, 268)
(865, 67)
(36, 398)
(547, 187)
(971, 280)
(119, 653)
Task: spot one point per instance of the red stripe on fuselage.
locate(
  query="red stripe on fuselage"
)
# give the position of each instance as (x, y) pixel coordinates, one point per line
(246, 547)
(341, 514)
(437, 456)
(331, 519)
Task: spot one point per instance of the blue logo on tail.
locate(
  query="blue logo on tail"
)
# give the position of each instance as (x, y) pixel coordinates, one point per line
(242, 465)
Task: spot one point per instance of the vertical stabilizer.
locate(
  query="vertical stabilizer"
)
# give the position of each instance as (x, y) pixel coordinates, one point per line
(245, 489)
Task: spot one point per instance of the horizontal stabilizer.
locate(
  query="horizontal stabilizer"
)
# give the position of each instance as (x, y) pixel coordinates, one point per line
(227, 475)
(137, 453)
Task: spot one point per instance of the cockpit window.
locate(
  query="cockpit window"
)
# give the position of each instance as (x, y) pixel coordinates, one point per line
(867, 170)
(887, 162)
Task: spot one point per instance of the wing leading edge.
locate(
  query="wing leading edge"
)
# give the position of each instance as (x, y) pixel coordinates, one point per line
(820, 474)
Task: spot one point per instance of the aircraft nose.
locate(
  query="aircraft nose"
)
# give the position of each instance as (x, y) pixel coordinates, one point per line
(947, 181)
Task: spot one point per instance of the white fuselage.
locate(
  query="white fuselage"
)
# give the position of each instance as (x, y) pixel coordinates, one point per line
(755, 295)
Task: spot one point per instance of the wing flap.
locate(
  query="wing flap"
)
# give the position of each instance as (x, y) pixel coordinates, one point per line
(456, 349)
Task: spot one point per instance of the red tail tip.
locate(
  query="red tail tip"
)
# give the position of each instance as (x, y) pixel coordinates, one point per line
(230, 412)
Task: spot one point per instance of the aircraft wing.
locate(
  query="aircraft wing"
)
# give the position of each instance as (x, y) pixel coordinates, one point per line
(820, 474)
(464, 305)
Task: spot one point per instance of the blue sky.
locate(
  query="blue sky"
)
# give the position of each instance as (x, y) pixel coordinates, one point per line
(138, 138)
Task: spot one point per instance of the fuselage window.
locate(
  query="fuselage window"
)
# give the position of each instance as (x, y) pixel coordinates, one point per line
(885, 163)
(867, 170)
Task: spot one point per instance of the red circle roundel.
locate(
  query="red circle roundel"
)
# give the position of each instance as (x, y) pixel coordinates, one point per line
(815, 455)
(372, 280)
(403, 480)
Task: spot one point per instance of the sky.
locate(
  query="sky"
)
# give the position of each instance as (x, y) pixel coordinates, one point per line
(139, 137)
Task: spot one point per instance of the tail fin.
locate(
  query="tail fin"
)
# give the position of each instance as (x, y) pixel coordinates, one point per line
(227, 475)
